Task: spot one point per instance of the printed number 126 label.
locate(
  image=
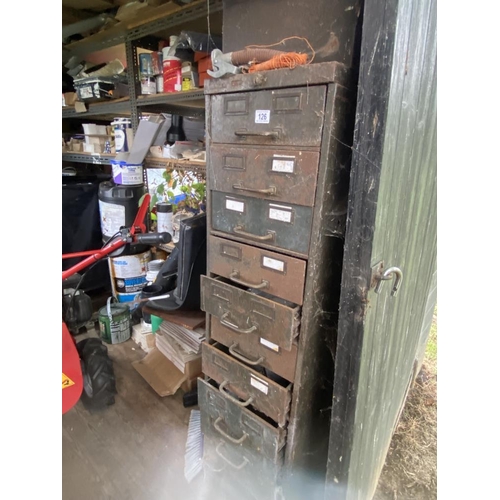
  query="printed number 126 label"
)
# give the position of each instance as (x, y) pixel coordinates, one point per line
(262, 115)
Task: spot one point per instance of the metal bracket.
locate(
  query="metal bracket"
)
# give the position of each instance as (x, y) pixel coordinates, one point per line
(379, 275)
(221, 64)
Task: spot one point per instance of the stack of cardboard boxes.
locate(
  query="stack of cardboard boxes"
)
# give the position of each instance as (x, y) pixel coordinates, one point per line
(204, 63)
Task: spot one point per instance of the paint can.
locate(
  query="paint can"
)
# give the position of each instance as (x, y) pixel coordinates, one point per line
(126, 174)
(157, 63)
(128, 273)
(172, 74)
(114, 322)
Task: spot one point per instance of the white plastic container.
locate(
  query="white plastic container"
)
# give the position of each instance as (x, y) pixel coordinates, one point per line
(164, 217)
(124, 135)
(126, 174)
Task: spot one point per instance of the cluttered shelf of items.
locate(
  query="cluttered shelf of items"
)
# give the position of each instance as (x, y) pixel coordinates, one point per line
(151, 274)
(149, 142)
(120, 21)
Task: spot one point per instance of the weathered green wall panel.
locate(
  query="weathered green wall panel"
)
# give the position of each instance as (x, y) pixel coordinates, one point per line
(386, 344)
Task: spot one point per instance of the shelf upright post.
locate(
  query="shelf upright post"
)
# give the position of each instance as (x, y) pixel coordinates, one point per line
(133, 81)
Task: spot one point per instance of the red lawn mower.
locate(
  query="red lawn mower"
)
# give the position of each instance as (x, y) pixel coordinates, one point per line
(87, 370)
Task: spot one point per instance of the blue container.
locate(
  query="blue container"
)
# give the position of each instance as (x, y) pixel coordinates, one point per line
(145, 65)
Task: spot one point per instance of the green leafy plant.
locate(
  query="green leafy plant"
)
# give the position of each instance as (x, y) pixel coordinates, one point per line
(188, 183)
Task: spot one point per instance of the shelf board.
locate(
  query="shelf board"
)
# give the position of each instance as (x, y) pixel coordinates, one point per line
(113, 107)
(149, 162)
(194, 98)
(189, 102)
(96, 158)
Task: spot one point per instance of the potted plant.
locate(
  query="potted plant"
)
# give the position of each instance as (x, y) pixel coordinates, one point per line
(191, 199)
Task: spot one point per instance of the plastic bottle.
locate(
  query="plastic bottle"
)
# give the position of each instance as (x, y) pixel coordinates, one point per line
(164, 213)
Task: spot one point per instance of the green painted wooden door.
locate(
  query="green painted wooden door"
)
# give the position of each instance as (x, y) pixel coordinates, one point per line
(391, 219)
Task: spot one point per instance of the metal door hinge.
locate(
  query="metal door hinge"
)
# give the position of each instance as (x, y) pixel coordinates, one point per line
(379, 275)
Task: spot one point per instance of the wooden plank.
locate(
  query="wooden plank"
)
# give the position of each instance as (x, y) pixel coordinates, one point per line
(70, 16)
(187, 319)
(150, 14)
(93, 5)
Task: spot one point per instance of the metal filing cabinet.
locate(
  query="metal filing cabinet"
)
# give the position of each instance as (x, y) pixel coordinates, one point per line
(277, 174)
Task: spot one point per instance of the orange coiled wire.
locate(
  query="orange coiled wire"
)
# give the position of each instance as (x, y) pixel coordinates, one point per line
(286, 60)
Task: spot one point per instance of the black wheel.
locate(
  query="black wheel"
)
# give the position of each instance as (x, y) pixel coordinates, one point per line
(99, 386)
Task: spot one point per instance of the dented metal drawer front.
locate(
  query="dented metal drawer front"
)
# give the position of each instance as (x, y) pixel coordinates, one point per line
(249, 313)
(256, 268)
(283, 227)
(250, 386)
(237, 425)
(282, 175)
(234, 468)
(256, 351)
(269, 117)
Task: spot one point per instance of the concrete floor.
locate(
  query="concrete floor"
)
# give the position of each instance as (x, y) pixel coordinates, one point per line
(133, 449)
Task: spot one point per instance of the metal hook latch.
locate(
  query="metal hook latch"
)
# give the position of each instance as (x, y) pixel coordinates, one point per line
(389, 274)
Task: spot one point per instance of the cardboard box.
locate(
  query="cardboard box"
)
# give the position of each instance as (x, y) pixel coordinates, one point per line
(200, 55)
(204, 64)
(202, 77)
(143, 336)
(162, 375)
(69, 98)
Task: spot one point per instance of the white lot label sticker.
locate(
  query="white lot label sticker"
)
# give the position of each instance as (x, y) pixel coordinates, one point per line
(237, 206)
(275, 264)
(272, 346)
(262, 115)
(283, 166)
(276, 213)
(259, 384)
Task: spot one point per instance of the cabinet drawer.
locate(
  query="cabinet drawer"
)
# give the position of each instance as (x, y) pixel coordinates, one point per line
(261, 222)
(283, 175)
(236, 425)
(259, 269)
(263, 394)
(291, 117)
(229, 469)
(235, 468)
(256, 351)
(251, 313)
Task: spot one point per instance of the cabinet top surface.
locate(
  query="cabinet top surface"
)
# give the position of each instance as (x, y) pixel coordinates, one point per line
(310, 74)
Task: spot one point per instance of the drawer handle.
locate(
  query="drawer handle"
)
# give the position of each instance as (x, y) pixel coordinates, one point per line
(234, 277)
(239, 230)
(223, 320)
(273, 134)
(269, 190)
(237, 467)
(244, 358)
(227, 436)
(234, 400)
